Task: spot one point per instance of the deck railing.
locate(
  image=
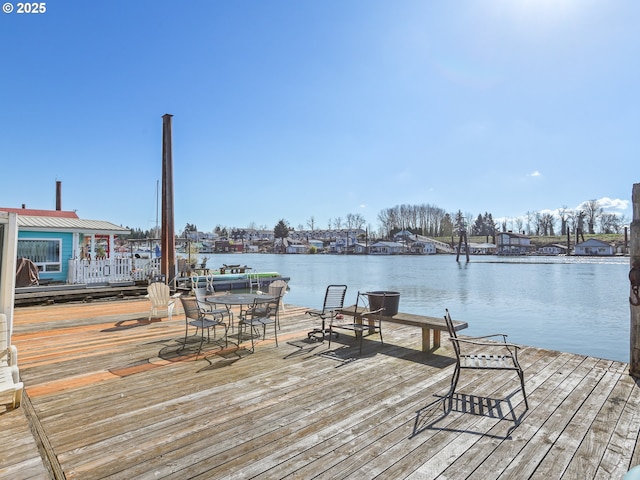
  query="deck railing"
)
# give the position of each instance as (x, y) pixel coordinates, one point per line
(112, 270)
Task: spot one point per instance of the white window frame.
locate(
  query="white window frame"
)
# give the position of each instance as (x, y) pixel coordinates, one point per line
(46, 267)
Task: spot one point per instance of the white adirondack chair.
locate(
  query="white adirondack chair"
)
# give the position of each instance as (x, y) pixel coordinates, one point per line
(161, 299)
(9, 374)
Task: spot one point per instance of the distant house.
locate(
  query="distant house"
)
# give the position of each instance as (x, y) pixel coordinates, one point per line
(593, 247)
(482, 248)
(386, 248)
(555, 249)
(318, 244)
(296, 247)
(51, 238)
(360, 248)
(422, 248)
(509, 243)
(404, 236)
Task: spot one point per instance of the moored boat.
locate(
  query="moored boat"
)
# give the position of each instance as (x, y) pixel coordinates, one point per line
(233, 281)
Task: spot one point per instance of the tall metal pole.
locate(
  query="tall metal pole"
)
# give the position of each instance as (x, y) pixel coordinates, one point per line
(168, 261)
(634, 276)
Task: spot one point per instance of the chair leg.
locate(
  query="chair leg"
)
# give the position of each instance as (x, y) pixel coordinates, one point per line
(186, 333)
(275, 332)
(454, 384)
(253, 347)
(524, 394)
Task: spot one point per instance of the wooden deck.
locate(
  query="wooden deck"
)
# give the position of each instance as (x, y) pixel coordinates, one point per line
(109, 395)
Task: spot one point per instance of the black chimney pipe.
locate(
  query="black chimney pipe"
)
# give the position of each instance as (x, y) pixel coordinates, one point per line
(58, 195)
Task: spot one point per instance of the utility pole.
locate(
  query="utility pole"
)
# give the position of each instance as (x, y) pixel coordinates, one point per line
(634, 280)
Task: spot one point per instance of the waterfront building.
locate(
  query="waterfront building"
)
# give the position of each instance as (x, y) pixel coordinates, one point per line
(51, 239)
(509, 243)
(593, 247)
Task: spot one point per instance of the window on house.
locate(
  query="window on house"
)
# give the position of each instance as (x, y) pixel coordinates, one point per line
(45, 253)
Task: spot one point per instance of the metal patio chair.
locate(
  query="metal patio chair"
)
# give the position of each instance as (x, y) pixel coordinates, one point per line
(333, 302)
(209, 307)
(258, 315)
(476, 353)
(364, 322)
(194, 316)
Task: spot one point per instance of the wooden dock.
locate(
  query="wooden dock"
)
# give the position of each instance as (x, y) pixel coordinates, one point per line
(111, 395)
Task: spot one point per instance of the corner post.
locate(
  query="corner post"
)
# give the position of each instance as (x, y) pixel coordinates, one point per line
(634, 259)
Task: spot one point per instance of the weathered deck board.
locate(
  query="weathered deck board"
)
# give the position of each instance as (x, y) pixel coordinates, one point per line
(117, 398)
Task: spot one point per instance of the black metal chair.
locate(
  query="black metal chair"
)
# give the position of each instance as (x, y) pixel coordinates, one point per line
(276, 289)
(209, 307)
(195, 316)
(364, 322)
(260, 314)
(475, 353)
(333, 301)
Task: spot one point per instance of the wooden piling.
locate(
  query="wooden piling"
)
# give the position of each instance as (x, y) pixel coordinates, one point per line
(634, 260)
(167, 262)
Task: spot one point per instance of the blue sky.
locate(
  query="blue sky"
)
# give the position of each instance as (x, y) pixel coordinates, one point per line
(293, 109)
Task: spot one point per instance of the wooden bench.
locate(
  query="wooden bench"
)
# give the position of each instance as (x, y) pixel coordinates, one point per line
(427, 324)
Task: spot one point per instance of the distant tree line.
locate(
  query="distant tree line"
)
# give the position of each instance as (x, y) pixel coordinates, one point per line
(432, 221)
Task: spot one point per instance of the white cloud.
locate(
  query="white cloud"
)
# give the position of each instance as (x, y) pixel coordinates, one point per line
(607, 203)
(535, 173)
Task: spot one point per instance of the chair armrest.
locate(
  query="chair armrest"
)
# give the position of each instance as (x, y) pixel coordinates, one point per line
(13, 355)
(484, 344)
(176, 295)
(503, 335)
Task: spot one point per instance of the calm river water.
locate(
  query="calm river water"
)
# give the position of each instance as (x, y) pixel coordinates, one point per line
(572, 304)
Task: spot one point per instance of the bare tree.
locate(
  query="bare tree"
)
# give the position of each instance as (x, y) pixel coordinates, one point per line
(519, 222)
(611, 223)
(358, 221)
(546, 224)
(563, 213)
(311, 223)
(530, 218)
(592, 212)
(337, 223)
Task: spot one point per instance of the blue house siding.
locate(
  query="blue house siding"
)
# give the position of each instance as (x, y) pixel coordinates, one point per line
(66, 251)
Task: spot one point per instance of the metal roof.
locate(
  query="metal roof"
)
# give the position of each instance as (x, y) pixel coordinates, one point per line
(57, 223)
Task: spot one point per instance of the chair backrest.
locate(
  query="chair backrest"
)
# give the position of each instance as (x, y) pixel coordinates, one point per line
(272, 307)
(209, 283)
(452, 332)
(191, 308)
(277, 288)
(200, 293)
(334, 298)
(447, 318)
(4, 336)
(159, 293)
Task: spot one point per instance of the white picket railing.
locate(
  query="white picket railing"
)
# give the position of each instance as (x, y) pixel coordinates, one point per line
(112, 270)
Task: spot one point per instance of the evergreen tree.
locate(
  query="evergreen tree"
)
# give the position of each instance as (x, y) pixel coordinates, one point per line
(281, 231)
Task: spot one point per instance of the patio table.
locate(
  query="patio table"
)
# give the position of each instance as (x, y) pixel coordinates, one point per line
(238, 299)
